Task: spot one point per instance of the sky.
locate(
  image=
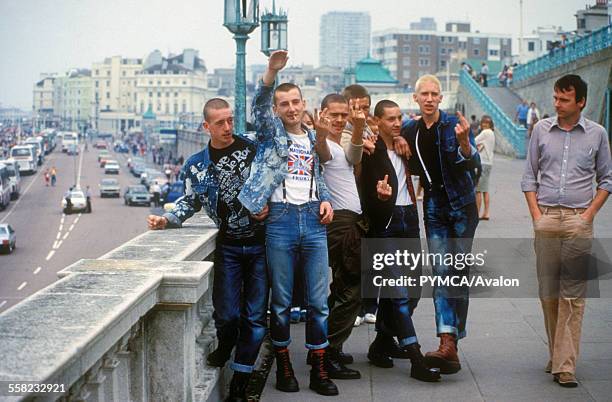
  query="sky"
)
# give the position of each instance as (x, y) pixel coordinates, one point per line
(43, 36)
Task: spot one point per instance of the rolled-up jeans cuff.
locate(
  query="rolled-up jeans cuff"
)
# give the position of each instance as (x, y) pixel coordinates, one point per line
(241, 367)
(317, 347)
(407, 341)
(447, 329)
(281, 344)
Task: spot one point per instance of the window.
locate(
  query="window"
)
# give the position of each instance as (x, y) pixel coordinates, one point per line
(406, 74)
(423, 37)
(175, 94)
(406, 49)
(406, 61)
(175, 108)
(167, 109)
(442, 50)
(97, 72)
(476, 52)
(184, 82)
(476, 41)
(108, 83)
(97, 84)
(493, 52)
(150, 82)
(167, 94)
(531, 46)
(150, 94)
(159, 107)
(424, 62)
(123, 73)
(159, 94)
(442, 63)
(424, 49)
(108, 73)
(184, 107)
(108, 95)
(141, 107)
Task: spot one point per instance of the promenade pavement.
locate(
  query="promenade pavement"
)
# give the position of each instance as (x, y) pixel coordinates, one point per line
(504, 354)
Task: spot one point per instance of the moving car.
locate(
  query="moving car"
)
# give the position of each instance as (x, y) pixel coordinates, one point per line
(135, 195)
(100, 144)
(78, 201)
(72, 150)
(103, 154)
(38, 147)
(111, 167)
(69, 138)
(25, 156)
(172, 192)
(109, 188)
(8, 238)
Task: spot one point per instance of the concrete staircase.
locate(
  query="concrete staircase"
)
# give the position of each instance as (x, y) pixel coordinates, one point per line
(505, 98)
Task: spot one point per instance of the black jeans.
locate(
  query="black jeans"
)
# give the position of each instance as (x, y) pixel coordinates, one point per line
(344, 249)
(394, 317)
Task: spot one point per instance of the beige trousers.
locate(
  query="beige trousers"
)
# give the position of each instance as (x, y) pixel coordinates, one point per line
(562, 244)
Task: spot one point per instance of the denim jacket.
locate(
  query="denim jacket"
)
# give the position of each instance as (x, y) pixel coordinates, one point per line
(456, 170)
(269, 167)
(200, 187)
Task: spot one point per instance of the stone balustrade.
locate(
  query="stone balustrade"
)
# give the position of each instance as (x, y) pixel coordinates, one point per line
(133, 325)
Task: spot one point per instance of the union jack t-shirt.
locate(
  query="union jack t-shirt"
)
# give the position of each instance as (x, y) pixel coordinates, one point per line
(299, 180)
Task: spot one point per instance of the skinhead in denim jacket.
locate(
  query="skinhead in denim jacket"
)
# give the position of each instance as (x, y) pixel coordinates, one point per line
(456, 170)
(270, 165)
(200, 185)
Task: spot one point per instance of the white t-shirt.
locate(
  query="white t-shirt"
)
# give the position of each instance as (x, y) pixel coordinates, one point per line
(299, 179)
(340, 180)
(403, 197)
(486, 138)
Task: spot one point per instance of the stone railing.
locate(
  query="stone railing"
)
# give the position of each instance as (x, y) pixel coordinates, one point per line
(133, 325)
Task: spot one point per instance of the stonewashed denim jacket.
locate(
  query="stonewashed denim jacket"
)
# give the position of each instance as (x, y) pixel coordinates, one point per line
(456, 170)
(200, 187)
(269, 167)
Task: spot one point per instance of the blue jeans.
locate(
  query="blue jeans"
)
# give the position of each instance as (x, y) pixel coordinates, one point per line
(394, 317)
(296, 239)
(240, 297)
(449, 231)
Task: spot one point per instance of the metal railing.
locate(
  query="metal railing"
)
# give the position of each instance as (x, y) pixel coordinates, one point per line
(515, 134)
(594, 42)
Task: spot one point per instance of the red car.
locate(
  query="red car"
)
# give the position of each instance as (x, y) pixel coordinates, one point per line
(100, 144)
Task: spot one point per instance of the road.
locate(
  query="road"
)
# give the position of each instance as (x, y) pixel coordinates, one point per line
(48, 240)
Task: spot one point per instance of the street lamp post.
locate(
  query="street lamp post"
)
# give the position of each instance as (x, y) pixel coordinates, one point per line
(241, 18)
(273, 31)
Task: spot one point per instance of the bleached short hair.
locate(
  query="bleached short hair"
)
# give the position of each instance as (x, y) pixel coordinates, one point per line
(427, 78)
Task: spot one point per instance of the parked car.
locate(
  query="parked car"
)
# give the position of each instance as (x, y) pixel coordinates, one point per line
(5, 186)
(14, 176)
(78, 202)
(111, 167)
(8, 238)
(135, 195)
(100, 144)
(109, 188)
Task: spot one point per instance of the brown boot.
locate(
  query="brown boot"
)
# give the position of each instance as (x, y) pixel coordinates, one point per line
(445, 358)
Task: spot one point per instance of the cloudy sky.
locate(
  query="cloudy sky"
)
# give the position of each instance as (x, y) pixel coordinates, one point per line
(55, 35)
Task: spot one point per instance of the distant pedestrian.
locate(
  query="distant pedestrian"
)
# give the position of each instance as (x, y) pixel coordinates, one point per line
(156, 191)
(474, 124)
(88, 195)
(484, 73)
(47, 177)
(53, 173)
(485, 143)
(521, 113)
(533, 115)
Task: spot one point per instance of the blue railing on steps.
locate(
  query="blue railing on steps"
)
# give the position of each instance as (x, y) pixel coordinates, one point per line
(515, 134)
(582, 47)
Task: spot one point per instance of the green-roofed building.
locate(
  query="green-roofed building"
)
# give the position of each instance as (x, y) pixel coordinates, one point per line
(372, 75)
